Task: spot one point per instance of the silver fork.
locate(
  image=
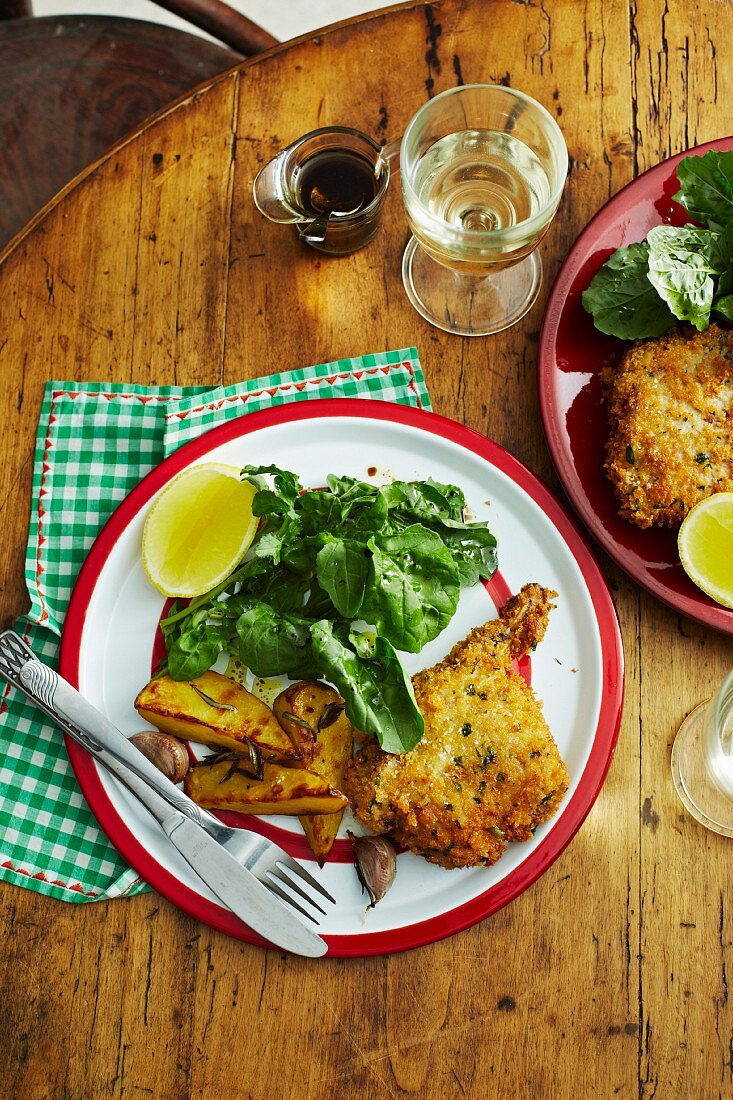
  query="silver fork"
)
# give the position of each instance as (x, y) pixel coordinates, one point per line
(265, 861)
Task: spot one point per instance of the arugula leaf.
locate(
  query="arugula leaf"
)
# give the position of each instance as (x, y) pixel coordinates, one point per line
(376, 690)
(724, 306)
(266, 502)
(362, 506)
(274, 644)
(343, 569)
(286, 490)
(426, 501)
(474, 552)
(451, 496)
(319, 511)
(723, 258)
(681, 265)
(623, 301)
(194, 648)
(350, 491)
(364, 518)
(395, 555)
(318, 604)
(415, 589)
(280, 587)
(296, 551)
(440, 508)
(706, 188)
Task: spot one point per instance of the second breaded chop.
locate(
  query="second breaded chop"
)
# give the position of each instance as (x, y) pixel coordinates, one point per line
(487, 769)
(670, 405)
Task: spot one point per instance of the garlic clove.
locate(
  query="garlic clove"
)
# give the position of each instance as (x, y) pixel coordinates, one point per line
(169, 755)
(375, 861)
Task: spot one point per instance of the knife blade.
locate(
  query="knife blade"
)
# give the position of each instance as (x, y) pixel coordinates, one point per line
(239, 889)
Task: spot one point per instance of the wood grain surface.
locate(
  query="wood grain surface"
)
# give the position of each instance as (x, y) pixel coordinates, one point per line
(74, 85)
(609, 977)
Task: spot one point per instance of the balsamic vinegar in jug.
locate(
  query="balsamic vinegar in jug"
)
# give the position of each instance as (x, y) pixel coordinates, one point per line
(337, 182)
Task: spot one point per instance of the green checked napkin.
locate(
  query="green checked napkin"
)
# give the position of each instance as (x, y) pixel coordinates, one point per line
(94, 443)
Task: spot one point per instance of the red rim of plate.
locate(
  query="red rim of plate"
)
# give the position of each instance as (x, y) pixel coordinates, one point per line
(635, 550)
(604, 741)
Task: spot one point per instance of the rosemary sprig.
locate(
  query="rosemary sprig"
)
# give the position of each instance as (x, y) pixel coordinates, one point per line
(329, 715)
(212, 702)
(297, 721)
(239, 762)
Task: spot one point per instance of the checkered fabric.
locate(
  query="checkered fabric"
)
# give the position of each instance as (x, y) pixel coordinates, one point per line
(94, 443)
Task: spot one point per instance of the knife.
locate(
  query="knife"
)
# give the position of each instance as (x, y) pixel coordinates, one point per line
(184, 823)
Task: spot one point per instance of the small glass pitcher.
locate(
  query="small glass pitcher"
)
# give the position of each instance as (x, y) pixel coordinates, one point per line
(331, 184)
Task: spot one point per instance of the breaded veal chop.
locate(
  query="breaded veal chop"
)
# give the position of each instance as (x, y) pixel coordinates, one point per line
(670, 404)
(487, 770)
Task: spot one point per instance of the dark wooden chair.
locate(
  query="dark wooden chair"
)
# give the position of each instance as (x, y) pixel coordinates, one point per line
(73, 85)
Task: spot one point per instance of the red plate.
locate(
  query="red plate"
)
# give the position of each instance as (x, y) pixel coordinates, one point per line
(577, 671)
(572, 354)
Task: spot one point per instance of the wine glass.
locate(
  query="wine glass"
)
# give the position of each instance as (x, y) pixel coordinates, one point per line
(702, 761)
(482, 169)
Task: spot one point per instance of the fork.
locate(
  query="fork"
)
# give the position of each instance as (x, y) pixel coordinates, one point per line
(273, 868)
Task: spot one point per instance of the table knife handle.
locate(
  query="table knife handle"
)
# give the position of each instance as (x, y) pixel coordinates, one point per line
(94, 732)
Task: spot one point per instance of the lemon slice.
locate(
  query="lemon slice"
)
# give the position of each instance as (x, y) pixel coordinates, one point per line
(198, 529)
(705, 545)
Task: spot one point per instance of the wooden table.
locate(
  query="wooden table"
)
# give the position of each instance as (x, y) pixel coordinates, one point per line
(610, 975)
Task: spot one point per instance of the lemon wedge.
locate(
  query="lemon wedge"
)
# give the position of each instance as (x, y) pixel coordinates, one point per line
(198, 529)
(705, 544)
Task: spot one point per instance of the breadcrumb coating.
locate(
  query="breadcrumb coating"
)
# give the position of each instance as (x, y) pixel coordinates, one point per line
(670, 404)
(487, 770)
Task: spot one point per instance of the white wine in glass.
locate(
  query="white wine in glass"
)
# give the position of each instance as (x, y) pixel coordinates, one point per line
(482, 170)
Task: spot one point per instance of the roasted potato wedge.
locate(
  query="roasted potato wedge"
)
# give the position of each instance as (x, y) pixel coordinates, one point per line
(229, 785)
(297, 709)
(323, 709)
(232, 716)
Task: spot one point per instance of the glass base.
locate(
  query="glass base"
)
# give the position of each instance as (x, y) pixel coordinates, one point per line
(469, 305)
(698, 793)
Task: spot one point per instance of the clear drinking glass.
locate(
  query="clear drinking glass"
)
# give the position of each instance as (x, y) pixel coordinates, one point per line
(702, 761)
(482, 169)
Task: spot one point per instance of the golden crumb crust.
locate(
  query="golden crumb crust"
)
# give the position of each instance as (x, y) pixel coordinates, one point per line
(670, 405)
(487, 770)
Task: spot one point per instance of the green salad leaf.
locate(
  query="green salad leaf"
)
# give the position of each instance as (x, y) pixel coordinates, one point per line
(393, 557)
(723, 257)
(724, 306)
(272, 643)
(343, 569)
(415, 587)
(195, 651)
(679, 273)
(623, 301)
(682, 263)
(376, 690)
(706, 188)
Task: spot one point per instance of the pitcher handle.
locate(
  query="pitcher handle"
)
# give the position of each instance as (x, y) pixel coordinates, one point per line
(390, 154)
(269, 193)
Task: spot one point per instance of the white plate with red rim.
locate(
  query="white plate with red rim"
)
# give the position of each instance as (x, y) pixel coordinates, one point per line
(577, 671)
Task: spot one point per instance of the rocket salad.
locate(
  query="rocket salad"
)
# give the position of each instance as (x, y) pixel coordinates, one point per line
(680, 273)
(338, 580)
